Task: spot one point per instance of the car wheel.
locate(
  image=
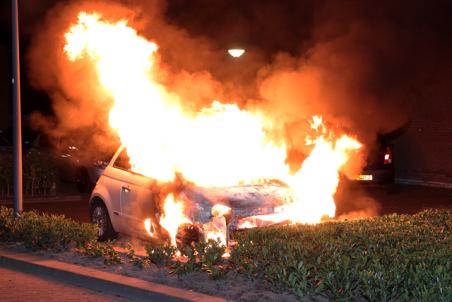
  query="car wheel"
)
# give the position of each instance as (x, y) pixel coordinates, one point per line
(99, 216)
(187, 234)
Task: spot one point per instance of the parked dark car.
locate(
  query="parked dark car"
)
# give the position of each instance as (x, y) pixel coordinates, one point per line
(72, 165)
(380, 165)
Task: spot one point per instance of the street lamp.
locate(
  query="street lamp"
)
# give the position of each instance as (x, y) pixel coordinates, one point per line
(17, 124)
(236, 52)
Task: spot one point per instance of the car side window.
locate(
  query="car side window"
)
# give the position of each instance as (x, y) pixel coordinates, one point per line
(123, 161)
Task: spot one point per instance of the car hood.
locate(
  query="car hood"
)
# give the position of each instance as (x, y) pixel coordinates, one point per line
(242, 198)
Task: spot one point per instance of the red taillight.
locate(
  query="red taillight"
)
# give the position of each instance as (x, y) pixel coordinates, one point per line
(388, 156)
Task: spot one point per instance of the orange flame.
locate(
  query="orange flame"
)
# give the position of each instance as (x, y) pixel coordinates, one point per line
(218, 146)
(173, 216)
(147, 226)
(217, 228)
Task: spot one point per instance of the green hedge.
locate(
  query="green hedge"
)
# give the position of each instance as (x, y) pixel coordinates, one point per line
(39, 173)
(6, 174)
(389, 258)
(43, 231)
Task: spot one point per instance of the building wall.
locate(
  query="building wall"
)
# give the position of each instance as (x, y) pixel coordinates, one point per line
(424, 151)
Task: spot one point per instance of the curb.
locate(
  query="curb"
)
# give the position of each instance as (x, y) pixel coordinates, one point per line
(94, 279)
(424, 183)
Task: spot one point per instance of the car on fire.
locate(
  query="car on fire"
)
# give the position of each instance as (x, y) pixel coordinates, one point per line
(122, 200)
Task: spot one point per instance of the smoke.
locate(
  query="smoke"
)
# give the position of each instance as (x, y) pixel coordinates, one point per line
(355, 202)
(80, 105)
(357, 64)
(349, 63)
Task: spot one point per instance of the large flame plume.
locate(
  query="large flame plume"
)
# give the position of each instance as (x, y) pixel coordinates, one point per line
(220, 145)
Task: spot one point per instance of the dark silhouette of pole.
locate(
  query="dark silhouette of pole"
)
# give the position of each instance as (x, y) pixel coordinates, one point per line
(17, 124)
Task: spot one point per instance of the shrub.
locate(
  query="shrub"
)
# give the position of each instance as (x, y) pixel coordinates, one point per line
(211, 257)
(7, 224)
(43, 231)
(105, 250)
(141, 262)
(39, 175)
(202, 256)
(6, 173)
(161, 254)
(205, 256)
(389, 258)
(110, 255)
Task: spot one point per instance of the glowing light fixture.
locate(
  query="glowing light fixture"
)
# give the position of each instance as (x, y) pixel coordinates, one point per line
(236, 52)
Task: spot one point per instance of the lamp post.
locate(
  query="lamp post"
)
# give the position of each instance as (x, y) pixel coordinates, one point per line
(17, 124)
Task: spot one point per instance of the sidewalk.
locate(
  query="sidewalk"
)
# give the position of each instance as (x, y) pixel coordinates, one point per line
(19, 287)
(94, 279)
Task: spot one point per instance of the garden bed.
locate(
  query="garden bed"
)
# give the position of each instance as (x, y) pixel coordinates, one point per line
(394, 257)
(388, 258)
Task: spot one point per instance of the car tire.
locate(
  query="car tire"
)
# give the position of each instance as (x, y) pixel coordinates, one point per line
(187, 234)
(99, 216)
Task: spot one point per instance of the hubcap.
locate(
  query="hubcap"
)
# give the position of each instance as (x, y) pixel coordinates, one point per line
(100, 218)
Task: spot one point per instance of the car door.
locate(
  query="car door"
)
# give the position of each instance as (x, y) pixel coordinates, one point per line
(136, 194)
(139, 203)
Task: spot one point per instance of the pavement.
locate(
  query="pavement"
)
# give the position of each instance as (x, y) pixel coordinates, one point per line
(71, 206)
(81, 280)
(18, 287)
(388, 199)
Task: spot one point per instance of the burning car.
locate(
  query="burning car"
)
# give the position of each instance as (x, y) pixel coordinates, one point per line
(123, 199)
(205, 171)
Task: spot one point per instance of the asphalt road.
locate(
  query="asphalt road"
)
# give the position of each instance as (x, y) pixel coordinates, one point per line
(371, 200)
(77, 210)
(387, 199)
(18, 286)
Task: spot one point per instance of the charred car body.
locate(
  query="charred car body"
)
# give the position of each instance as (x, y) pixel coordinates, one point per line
(122, 200)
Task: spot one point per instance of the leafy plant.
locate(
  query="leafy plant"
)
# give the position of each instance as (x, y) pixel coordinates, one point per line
(102, 250)
(110, 255)
(160, 255)
(6, 173)
(43, 231)
(205, 256)
(388, 258)
(141, 262)
(93, 249)
(39, 174)
(7, 224)
(191, 265)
